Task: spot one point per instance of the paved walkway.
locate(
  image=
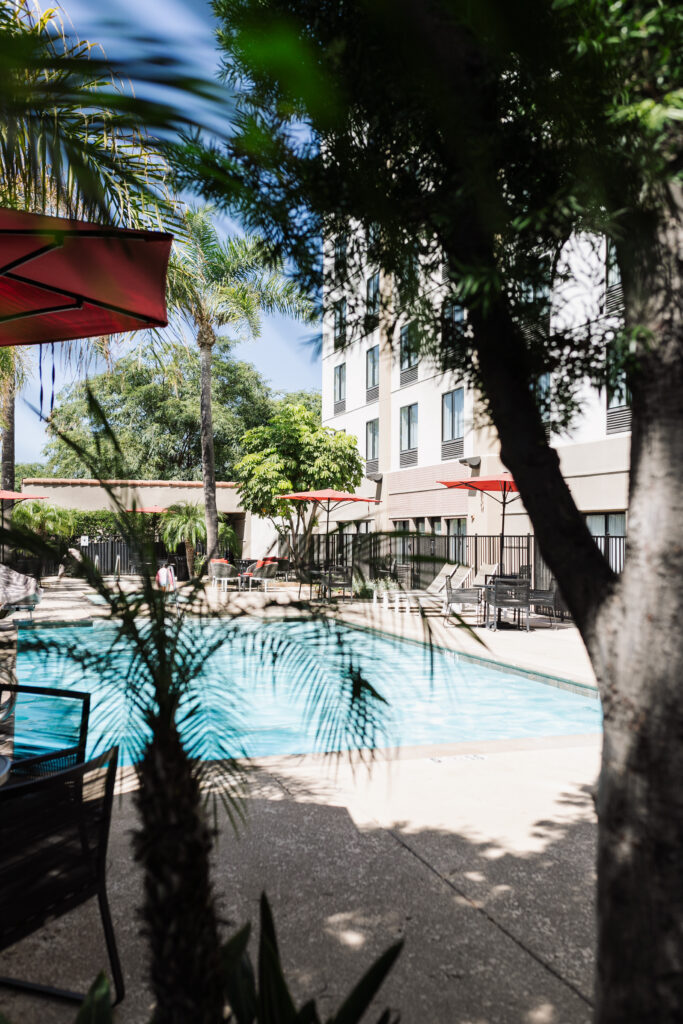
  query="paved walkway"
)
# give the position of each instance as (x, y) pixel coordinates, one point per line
(480, 855)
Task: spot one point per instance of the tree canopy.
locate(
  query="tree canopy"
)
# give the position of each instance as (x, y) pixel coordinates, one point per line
(153, 409)
(292, 452)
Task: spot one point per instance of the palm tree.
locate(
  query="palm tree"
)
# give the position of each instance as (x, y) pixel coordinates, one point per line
(185, 523)
(72, 144)
(215, 284)
(43, 519)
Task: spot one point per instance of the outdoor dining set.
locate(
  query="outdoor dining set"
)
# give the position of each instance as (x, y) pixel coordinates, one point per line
(487, 591)
(55, 812)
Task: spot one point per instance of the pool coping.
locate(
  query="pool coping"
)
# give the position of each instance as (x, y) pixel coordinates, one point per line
(582, 689)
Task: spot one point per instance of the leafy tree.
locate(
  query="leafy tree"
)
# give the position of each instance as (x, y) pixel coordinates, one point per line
(213, 285)
(492, 144)
(153, 406)
(294, 453)
(27, 471)
(311, 400)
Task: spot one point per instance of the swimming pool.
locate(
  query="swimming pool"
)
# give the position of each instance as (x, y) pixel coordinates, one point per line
(257, 689)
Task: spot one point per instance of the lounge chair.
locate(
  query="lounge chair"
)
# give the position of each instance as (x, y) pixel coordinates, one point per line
(18, 592)
(432, 595)
(223, 573)
(53, 848)
(258, 574)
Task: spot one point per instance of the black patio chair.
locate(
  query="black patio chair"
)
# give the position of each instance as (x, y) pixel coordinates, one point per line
(42, 729)
(548, 600)
(53, 847)
(507, 594)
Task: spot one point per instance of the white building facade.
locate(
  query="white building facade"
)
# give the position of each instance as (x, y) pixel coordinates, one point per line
(417, 426)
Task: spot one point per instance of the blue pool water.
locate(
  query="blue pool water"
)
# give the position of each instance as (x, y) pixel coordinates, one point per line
(276, 689)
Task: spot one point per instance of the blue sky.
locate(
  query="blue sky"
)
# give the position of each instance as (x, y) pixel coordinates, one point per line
(284, 354)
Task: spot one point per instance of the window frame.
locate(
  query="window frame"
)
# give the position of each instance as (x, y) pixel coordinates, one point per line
(339, 322)
(339, 381)
(372, 455)
(411, 427)
(374, 383)
(409, 346)
(444, 396)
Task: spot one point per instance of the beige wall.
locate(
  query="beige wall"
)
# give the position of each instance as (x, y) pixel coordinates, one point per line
(89, 495)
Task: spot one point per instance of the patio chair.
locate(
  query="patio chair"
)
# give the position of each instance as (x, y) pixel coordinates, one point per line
(18, 592)
(223, 573)
(259, 575)
(42, 729)
(504, 595)
(547, 600)
(53, 846)
(459, 597)
(307, 576)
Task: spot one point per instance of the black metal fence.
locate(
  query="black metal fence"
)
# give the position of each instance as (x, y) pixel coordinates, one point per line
(422, 555)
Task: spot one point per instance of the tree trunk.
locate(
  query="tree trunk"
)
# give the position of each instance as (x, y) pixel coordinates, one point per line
(189, 558)
(638, 655)
(8, 461)
(173, 846)
(208, 459)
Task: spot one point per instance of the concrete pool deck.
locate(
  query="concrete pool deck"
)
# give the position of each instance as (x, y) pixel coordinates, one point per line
(480, 855)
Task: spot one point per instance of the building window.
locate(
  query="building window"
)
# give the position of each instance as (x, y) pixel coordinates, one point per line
(410, 354)
(372, 374)
(420, 525)
(453, 424)
(404, 545)
(408, 455)
(436, 526)
(618, 398)
(372, 302)
(409, 347)
(340, 388)
(457, 540)
(372, 440)
(339, 309)
(452, 316)
(340, 253)
(614, 292)
(609, 530)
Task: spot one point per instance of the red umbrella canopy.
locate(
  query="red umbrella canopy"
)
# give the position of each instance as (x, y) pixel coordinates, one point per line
(502, 483)
(64, 279)
(324, 495)
(20, 496)
(153, 510)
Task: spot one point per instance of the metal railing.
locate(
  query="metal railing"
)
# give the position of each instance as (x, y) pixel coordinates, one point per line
(372, 554)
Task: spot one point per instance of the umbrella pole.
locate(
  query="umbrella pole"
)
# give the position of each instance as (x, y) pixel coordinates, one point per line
(327, 553)
(502, 536)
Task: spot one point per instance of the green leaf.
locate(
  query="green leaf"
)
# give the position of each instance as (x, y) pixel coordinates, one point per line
(240, 987)
(276, 1005)
(362, 995)
(96, 1007)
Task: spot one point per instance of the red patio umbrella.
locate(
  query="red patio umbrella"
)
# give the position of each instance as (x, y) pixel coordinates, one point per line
(502, 484)
(329, 500)
(64, 279)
